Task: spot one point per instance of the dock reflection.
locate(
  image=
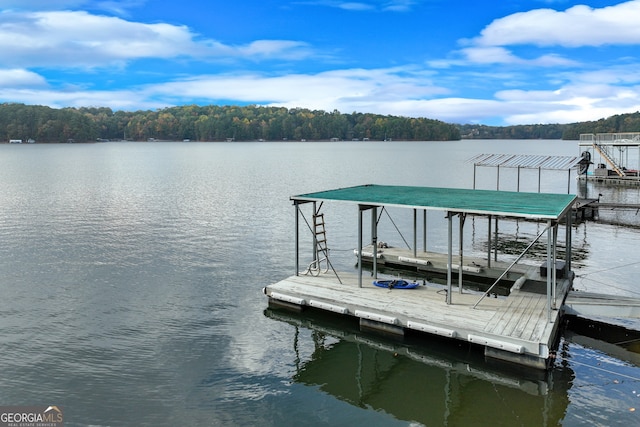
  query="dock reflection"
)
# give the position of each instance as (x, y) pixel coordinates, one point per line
(422, 379)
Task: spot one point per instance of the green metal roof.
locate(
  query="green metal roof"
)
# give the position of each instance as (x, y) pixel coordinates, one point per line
(482, 202)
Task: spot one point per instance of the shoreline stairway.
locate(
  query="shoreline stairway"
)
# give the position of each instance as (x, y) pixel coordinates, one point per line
(605, 154)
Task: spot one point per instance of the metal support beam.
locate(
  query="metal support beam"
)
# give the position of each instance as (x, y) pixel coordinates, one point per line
(424, 230)
(374, 240)
(297, 234)
(554, 281)
(549, 268)
(315, 237)
(362, 208)
(461, 218)
(474, 175)
(415, 233)
(495, 255)
(568, 242)
(510, 267)
(359, 247)
(489, 242)
(449, 255)
(539, 177)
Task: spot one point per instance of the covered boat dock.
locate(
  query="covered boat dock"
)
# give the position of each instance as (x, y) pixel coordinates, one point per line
(521, 328)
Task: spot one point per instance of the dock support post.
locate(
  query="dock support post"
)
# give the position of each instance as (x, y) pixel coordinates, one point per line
(539, 175)
(461, 217)
(315, 237)
(449, 255)
(359, 246)
(415, 233)
(549, 269)
(297, 234)
(569, 241)
(495, 255)
(554, 277)
(424, 230)
(489, 242)
(374, 240)
(474, 175)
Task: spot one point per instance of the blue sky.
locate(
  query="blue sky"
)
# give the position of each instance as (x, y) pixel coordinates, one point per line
(460, 61)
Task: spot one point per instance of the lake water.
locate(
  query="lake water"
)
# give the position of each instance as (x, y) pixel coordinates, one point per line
(132, 278)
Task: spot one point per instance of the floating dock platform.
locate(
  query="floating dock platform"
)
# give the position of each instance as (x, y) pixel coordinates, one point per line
(513, 329)
(521, 328)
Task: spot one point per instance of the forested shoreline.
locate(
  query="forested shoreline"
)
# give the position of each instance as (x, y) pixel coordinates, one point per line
(614, 124)
(211, 123)
(42, 124)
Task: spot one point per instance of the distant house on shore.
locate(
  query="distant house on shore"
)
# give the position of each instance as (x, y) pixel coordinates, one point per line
(15, 141)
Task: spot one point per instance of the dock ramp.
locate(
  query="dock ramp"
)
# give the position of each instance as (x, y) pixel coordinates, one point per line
(589, 304)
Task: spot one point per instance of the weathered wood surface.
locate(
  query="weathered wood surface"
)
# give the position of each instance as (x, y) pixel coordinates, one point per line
(520, 319)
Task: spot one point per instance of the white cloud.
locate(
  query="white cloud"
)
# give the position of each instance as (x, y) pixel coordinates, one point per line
(118, 100)
(574, 102)
(327, 90)
(489, 55)
(21, 78)
(354, 6)
(577, 26)
(283, 49)
(499, 55)
(73, 39)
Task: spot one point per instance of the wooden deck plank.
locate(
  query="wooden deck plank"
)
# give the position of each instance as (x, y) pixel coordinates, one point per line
(524, 318)
(528, 312)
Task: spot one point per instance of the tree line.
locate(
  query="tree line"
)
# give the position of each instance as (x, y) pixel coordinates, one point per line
(552, 131)
(614, 124)
(255, 123)
(211, 123)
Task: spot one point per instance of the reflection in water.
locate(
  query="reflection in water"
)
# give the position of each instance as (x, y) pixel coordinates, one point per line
(423, 379)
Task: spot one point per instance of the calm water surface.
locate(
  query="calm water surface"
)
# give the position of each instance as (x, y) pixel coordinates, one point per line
(131, 292)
